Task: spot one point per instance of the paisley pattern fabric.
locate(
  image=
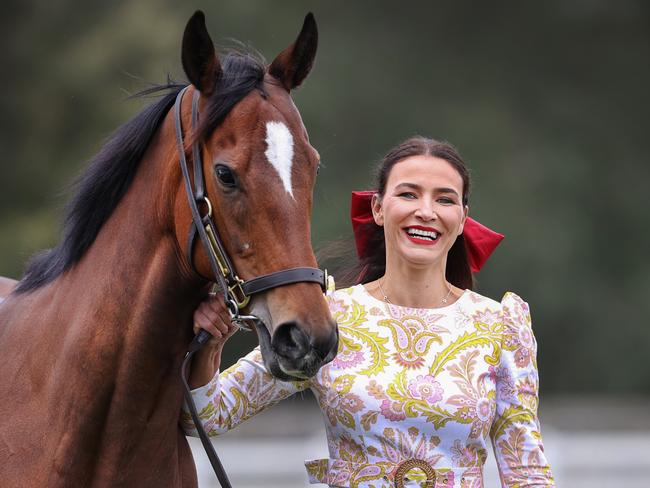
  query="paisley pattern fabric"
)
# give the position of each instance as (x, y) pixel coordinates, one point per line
(430, 385)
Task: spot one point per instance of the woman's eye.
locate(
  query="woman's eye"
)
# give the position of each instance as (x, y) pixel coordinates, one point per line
(446, 201)
(407, 194)
(226, 176)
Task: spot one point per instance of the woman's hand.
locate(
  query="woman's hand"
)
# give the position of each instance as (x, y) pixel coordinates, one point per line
(212, 316)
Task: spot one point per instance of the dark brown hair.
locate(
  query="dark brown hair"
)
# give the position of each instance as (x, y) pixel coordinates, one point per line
(373, 265)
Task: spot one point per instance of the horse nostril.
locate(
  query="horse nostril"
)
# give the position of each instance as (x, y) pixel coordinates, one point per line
(290, 341)
(327, 348)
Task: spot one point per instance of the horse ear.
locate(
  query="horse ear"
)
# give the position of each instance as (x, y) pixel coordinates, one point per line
(200, 60)
(293, 64)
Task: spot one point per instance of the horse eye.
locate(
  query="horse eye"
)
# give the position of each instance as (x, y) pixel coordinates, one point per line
(225, 175)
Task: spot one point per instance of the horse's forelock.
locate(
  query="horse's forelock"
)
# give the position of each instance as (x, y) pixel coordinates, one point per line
(242, 72)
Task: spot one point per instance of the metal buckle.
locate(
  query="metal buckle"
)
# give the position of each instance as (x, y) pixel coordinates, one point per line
(237, 293)
(223, 267)
(408, 465)
(325, 280)
(206, 200)
(235, 290)
(236, 318)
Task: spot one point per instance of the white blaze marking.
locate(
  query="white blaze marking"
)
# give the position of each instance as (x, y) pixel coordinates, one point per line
(279, 152)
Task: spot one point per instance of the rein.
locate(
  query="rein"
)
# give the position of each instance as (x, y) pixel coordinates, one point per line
(237, 292)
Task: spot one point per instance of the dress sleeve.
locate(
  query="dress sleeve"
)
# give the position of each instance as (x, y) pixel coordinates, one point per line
(515, 432)
(241, 391)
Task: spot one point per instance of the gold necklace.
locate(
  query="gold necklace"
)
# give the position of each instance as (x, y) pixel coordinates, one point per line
(381, 288)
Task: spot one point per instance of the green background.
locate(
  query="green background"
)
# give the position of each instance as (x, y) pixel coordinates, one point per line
(546, 101)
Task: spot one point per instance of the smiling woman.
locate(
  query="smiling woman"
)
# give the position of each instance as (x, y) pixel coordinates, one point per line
(428, 372)
(422, 212)
(435, 168)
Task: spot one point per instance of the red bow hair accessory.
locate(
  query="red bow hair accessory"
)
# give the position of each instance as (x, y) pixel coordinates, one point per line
(479, 240)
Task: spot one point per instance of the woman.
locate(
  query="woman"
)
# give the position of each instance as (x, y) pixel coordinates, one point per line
(427, 370)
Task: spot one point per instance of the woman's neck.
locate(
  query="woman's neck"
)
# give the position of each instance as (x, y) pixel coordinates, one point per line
(413, 286)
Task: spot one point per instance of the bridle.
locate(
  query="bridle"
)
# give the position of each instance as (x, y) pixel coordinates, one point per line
(237, 292)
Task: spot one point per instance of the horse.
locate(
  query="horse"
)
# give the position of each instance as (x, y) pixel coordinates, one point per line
(93, 336)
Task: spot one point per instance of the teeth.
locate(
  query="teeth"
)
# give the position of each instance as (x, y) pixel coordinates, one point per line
(422, 233)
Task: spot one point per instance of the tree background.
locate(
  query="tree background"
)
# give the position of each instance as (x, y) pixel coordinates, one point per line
(547, 102)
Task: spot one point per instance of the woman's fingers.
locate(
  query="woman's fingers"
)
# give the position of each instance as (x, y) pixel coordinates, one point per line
(201, 321)
(217, 305)
(212, 316)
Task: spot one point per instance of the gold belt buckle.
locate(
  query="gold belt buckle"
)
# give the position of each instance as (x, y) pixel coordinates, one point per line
(408, 465)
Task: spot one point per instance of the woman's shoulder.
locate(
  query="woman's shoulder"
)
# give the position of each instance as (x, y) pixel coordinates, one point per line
(476, 300)
(512, 301)
(509, 300)
(512, 308)
(345, 294)
(513, 311)
(513, 316)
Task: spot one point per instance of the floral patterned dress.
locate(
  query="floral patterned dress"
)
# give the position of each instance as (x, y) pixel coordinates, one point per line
(413, 394)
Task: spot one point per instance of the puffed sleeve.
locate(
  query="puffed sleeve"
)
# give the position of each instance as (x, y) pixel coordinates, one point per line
(515, 432)
(241, 391)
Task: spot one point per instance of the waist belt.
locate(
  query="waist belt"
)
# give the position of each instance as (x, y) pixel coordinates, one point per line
(409, 473)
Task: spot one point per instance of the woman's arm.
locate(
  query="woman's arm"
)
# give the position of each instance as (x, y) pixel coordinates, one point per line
(212, 316)
(515, 432)
(243, 390)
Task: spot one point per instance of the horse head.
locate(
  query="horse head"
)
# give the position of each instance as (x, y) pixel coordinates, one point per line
(260, 170)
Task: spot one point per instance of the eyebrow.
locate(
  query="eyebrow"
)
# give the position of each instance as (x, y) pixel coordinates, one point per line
(415, 186)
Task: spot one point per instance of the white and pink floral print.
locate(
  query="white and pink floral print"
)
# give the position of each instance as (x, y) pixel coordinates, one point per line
(434, 385)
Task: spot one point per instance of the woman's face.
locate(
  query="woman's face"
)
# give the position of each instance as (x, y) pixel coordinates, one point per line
(422, 211)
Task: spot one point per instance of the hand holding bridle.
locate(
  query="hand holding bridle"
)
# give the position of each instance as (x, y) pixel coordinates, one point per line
(212, 316)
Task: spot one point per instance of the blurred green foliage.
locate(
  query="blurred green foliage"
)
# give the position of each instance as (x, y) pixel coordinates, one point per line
(548, 103)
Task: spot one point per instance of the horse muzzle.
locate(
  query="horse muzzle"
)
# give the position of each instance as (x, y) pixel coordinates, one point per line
(294, 354)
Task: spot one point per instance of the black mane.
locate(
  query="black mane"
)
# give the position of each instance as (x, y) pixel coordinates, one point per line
(111, 171)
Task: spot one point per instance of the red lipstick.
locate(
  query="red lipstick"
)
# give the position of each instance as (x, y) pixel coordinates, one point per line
(428, 236)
